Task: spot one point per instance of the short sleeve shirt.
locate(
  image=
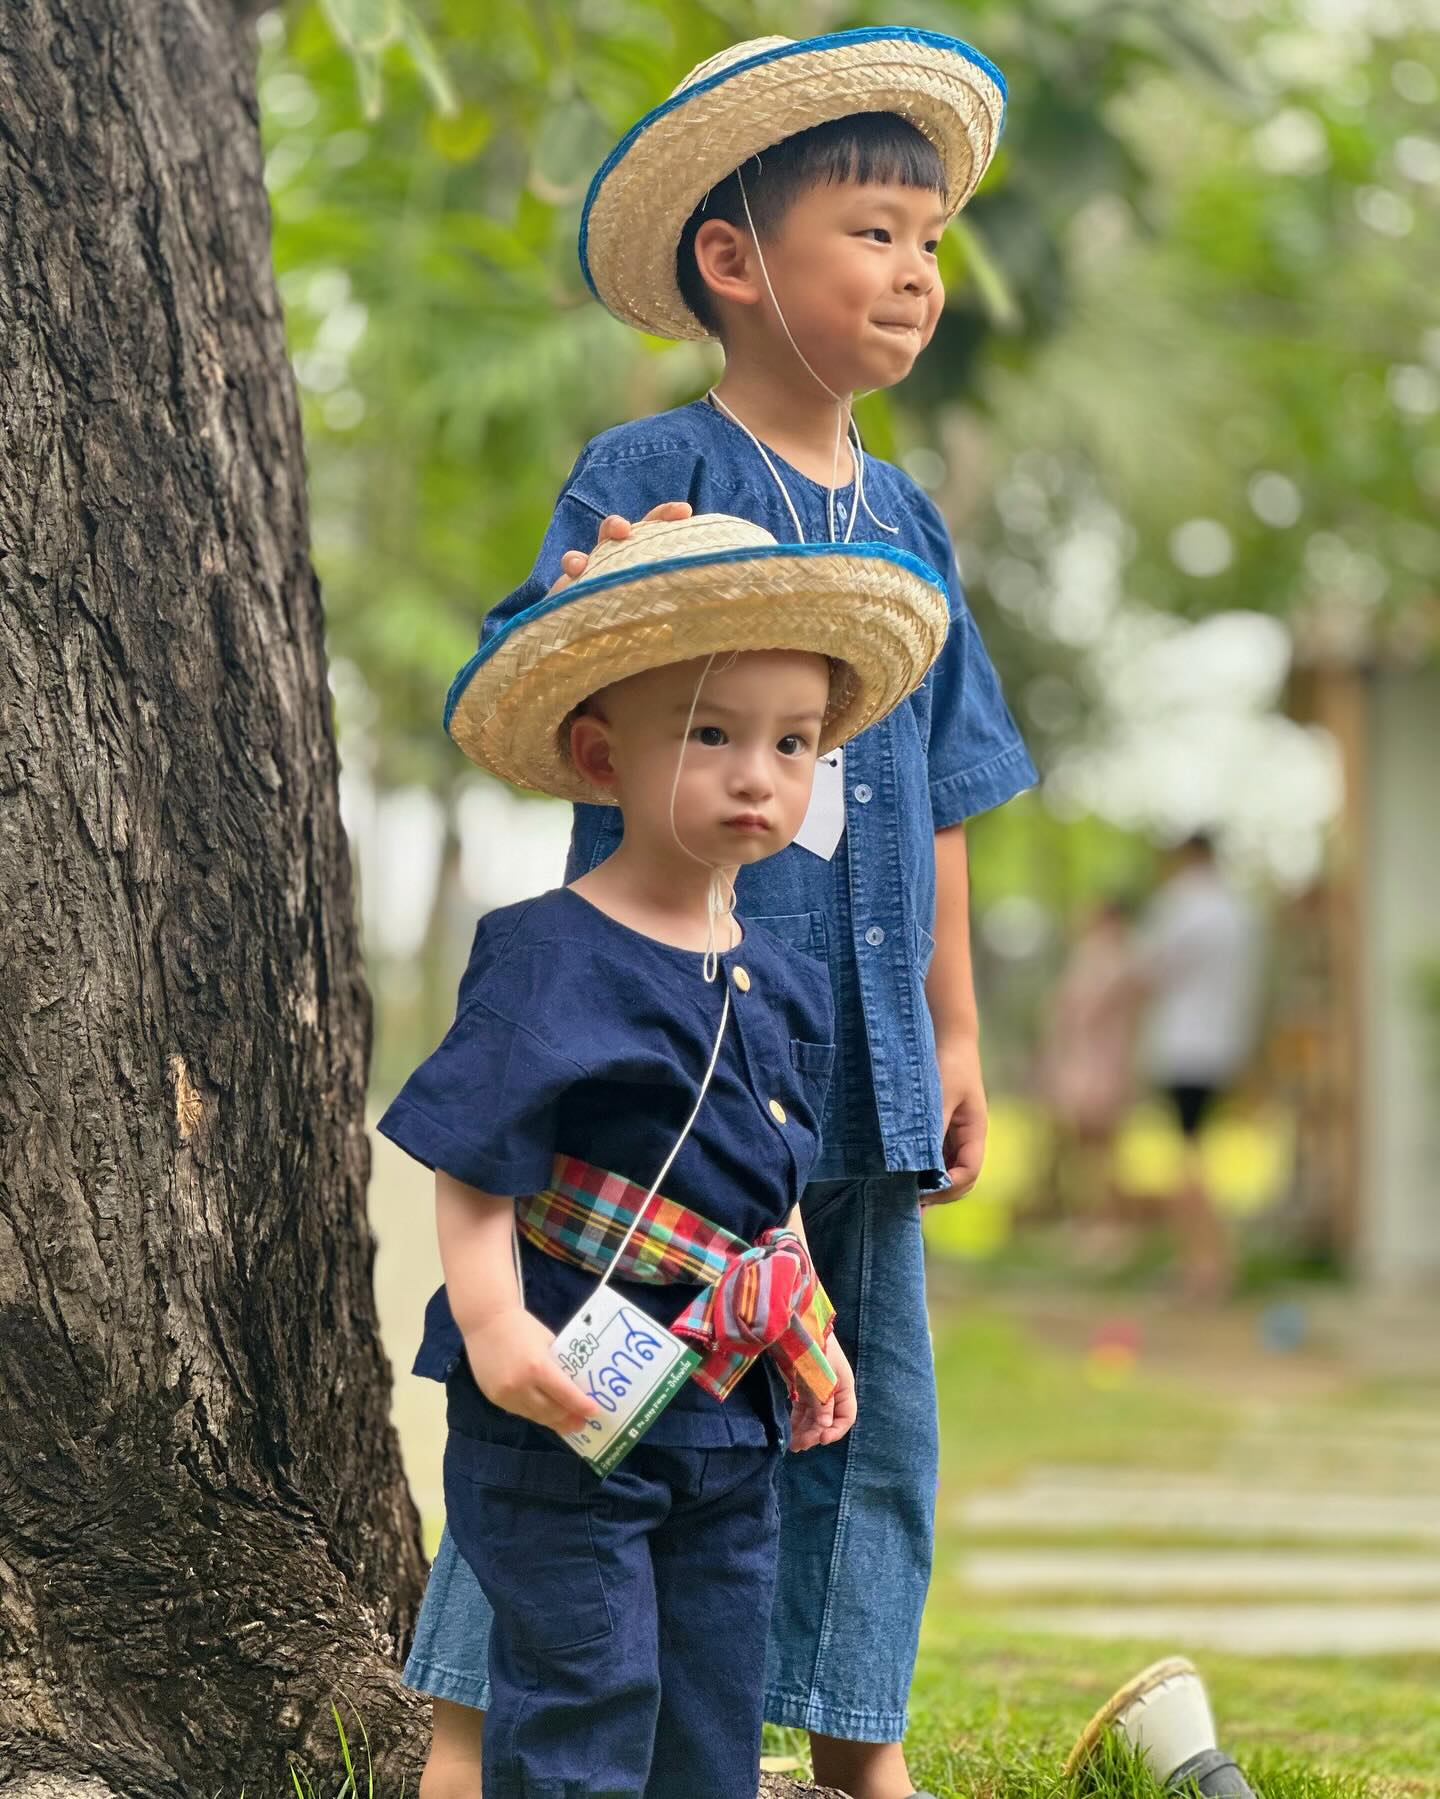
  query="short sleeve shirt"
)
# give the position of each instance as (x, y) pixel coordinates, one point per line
(576, 1035)
(949, 752)
(1200, 944)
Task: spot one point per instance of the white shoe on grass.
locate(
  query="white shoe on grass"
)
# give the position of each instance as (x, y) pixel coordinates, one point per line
(1164, 1714)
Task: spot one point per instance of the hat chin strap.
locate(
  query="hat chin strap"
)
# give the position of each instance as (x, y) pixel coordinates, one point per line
(720, 892)
(842, 402)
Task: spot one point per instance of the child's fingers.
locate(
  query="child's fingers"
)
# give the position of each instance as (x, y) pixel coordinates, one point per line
(842, 1408)
(556, 1390)
(614, 527)
(572, 565)
(802, 1425)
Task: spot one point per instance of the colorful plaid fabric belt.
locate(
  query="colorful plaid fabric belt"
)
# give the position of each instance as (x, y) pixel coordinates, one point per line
(757, 1297)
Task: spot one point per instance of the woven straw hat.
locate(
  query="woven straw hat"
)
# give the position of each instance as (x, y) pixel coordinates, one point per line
(674, 590)
(741, 102)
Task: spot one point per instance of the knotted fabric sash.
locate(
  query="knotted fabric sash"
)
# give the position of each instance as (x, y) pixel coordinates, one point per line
(755, 1297)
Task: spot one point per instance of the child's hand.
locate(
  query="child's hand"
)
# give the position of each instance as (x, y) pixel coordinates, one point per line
(510, 1358)
(575, 562)
(811, 1424)
(965, 1114)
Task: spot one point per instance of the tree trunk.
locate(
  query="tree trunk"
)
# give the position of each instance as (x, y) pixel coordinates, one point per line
(204, 1527)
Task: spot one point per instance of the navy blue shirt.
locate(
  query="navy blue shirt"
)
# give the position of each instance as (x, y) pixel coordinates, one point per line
(949, 752)
(575, 1035)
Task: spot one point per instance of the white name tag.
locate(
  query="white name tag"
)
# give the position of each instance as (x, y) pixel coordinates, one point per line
(824, 823)
(629, 1365)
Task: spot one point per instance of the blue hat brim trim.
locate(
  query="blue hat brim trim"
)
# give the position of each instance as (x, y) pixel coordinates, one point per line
(582, 589)
(830, 40)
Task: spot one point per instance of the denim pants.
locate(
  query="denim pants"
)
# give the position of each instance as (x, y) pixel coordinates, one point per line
(857, 1516)
(630, 1616)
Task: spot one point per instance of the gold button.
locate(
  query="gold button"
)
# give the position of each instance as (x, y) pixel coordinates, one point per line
(777, 1111)
(741, 978)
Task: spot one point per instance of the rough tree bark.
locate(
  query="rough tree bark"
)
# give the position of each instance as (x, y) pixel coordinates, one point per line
(204, 1527)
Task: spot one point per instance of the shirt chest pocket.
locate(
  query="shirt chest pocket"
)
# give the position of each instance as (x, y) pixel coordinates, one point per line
(813, 1064)
(812, 1058)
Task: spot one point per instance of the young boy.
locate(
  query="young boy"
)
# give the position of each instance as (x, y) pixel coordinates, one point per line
(788, 199)
(628, 1104)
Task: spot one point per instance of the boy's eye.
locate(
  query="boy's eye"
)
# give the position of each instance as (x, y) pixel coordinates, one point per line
(878, 232)
(710, 735)
(932, 245)
(792, 744)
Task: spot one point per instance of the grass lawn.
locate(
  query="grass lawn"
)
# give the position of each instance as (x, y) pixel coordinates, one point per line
(995, 1710)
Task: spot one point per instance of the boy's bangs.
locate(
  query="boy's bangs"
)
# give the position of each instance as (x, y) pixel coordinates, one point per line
(867, 148)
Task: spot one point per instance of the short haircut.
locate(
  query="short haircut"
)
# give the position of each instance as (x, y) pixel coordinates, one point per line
(862, 147)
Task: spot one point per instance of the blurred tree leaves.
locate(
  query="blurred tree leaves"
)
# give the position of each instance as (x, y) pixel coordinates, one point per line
(368, 28)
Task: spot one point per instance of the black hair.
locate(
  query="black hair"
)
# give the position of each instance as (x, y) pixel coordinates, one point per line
(862, 147)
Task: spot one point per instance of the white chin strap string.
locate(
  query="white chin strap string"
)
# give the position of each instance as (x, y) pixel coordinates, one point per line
(720, 894)
(719, 903)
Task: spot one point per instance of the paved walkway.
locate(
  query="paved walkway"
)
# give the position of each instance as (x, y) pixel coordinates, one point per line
(1313, 1529)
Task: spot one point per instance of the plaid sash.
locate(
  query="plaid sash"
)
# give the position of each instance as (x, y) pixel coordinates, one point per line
(755, 1297)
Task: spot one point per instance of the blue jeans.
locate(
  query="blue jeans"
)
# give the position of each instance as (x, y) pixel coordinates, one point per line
(857, 1516)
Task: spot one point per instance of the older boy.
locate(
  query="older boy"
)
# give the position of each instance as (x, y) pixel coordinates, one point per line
(780, 202)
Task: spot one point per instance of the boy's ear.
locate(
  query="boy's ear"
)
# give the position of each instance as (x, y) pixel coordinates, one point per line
(725, 257)
(590, 750)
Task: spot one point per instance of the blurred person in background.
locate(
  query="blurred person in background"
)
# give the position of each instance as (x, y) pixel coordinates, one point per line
(1199, 944)
(1086, 1068)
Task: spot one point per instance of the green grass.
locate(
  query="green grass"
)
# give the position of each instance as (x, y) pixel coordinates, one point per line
(1007, 1404)
(996, 1712)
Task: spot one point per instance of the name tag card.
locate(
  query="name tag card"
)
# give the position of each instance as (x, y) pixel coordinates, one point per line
(824, 822)
(631, 1367)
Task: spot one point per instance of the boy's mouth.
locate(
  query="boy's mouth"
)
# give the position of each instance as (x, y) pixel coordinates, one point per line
(898, 325)
(748, 821)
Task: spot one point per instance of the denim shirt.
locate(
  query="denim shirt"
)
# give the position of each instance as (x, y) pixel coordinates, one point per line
(949, 752)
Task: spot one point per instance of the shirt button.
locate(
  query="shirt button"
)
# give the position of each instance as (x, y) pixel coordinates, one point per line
(777, 1111)
(741, 978)
(864, 794)
(874, 936)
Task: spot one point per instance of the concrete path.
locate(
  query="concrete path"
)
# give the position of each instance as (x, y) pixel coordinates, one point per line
(1089, 1499)
(1312, 1528)
(1252, 1630)
(1139, 1574)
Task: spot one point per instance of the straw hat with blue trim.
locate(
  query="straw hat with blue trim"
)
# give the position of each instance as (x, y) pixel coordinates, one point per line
(738, 104)
(679, 589)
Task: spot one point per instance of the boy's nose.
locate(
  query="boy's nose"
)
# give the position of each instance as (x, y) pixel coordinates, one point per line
(750, 777)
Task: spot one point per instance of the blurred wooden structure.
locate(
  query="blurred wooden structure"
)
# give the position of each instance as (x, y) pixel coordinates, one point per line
(1357, 1051)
